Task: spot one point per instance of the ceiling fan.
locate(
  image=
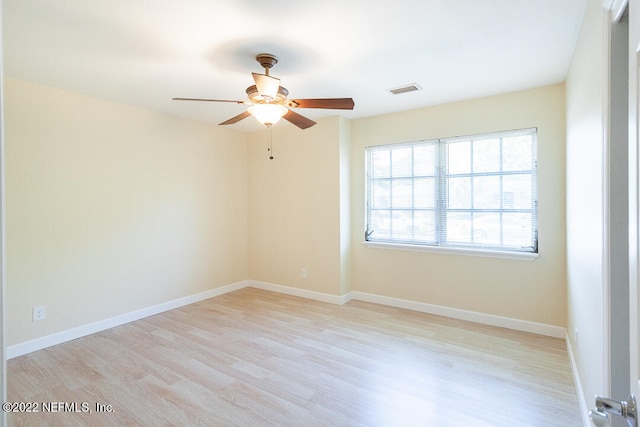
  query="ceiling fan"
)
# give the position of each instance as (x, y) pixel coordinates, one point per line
(268, 101)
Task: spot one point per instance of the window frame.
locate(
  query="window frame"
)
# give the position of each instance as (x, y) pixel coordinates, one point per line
(441, 208)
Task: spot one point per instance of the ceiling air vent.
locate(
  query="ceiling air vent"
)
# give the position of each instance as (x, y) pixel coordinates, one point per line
(404, 89)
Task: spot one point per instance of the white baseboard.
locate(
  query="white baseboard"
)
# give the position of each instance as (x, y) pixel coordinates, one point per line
(471, 316)
(91, 328)
(318, 296)
(584, 408)
(80, 331)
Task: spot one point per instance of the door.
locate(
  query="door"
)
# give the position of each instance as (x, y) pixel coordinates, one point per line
(634, 141)
(607, 409)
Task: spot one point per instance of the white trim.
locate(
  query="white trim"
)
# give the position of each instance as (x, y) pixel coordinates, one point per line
(91, 328)
(584, 409)
(617, 8)
(456, 313)
(522, 256)
(3, 240)
(606, 203)
(297, 292)
(634, 194)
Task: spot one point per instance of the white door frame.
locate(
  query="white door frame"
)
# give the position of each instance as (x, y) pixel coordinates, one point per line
(614, 10)
(3, 359)
(616, 310)
(634, 193)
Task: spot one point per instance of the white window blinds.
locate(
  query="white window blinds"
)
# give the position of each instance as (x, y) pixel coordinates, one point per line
(476, 191)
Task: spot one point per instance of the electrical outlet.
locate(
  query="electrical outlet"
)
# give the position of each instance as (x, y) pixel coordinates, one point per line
(303, 273)
(39, 313)
(575, 335)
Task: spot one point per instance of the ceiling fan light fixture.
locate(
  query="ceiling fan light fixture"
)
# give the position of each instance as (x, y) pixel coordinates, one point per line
(267, 114)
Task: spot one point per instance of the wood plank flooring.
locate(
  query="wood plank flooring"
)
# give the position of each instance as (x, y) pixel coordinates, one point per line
(256, 358)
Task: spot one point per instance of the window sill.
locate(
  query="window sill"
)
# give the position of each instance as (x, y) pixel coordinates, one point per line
(522, 256)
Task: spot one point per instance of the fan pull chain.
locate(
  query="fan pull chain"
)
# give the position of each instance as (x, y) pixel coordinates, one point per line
(270, 149)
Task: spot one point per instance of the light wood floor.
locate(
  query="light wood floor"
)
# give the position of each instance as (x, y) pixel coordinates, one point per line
(255, 358)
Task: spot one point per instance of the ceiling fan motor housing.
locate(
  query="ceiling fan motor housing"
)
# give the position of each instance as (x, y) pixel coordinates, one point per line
(256, 98)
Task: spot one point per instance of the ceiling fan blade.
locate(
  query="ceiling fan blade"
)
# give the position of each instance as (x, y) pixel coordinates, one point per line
(299, 120)
(236, 119)
(267, 85)
(207, 100)
(329, 103)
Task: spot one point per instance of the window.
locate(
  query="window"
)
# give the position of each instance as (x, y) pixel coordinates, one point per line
(475, 192)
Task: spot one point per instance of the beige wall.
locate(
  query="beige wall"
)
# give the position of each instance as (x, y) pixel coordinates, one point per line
(294, 207)
(111, 208)
(527, 290)
(345, 205)
(585, 202)
(299, 211)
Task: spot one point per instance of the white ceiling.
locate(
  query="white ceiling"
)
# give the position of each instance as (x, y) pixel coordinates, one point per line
(144, 52)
